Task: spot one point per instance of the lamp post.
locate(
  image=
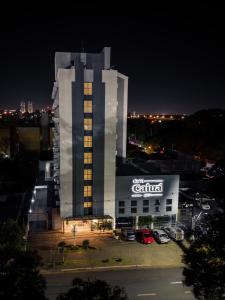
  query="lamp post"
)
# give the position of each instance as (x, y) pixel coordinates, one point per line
(74, 230)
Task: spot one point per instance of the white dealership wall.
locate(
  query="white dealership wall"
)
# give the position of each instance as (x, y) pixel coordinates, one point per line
(130, 188)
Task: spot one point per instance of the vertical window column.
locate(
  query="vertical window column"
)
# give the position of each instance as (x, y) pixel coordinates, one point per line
(88, 149)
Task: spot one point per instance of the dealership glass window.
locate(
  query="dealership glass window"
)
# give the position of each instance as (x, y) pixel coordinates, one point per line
(133, 203)
(87, 190)
(87, 204)
(88, 158)
(87, 174)
(133, 210)
(121, 210)
(145, 209)
(87, 88)
(169, 208)
(87, 141)
(87, 106)
(121, 203)
(168, 201)
(157, 202)
(88, 124)
(156, 208)
(145, 202)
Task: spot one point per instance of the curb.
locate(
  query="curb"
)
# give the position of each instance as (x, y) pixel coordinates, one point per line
(108, 268)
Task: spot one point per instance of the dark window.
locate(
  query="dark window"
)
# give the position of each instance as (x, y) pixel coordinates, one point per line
(145, 209)
(157, 202)
(121, 203)
(169, 208)
(145, 202)
(133, 210)
(156, 208)
(168, 201)
(88, 211)
(121, 210)
(133, 203)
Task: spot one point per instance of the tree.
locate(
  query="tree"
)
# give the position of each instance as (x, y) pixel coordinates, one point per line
(93, 290)
(205, 259)
(19, 269)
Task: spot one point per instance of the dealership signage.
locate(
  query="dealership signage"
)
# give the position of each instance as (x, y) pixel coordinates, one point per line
(146, 187)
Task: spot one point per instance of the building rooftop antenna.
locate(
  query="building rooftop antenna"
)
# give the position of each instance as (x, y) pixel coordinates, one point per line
(82, 46)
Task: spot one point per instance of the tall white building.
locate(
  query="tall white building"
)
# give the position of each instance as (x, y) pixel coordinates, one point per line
(30, 107)
(90, 109)
(22, 107)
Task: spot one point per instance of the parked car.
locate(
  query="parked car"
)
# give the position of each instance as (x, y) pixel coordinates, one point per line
(174, 233)
(129, 234)
(160, 236)
(144, 236)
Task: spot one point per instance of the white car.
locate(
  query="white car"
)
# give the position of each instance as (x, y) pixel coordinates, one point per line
(175, 233)
(160, 236)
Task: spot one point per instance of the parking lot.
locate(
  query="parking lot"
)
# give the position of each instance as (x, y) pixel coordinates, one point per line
(106, 251)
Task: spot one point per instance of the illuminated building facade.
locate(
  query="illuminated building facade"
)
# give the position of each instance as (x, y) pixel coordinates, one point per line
(90, 114)
(144, 195)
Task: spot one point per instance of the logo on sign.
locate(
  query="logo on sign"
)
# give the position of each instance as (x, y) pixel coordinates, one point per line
(147, 187)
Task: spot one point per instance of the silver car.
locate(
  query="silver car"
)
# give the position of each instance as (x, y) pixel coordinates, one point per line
(160, 236)
(129, 235)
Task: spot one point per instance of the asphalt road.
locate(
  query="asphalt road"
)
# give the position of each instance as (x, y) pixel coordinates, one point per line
(140, 284)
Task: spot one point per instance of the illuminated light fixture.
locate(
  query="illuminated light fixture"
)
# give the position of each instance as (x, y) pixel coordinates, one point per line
(30, 210)
(32, 200)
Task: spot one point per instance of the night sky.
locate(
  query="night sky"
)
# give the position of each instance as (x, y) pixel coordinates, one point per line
(173, 56)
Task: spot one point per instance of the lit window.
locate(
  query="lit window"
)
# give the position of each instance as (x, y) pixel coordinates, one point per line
(87, 204)
(87, 124)
(87, 141)
(87, 106)
(87, 174)
(87, 191)
(88, 158)
(87, 88)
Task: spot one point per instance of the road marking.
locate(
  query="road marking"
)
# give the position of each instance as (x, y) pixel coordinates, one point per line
(187, 292)
(176, 282)
(143, 295)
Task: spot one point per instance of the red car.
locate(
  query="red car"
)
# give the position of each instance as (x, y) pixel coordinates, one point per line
(144, 236)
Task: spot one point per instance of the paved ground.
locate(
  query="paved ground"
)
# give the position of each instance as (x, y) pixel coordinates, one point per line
(105, 251)
(158, 284)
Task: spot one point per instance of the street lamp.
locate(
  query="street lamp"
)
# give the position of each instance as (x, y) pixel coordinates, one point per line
(74, 230)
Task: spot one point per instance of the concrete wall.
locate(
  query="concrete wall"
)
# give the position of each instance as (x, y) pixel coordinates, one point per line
(122, 95)
(65, 79)
(110, 79)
